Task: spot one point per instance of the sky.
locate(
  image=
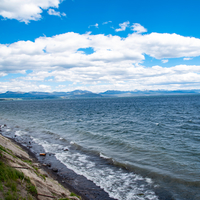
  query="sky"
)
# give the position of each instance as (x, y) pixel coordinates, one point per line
(99, 45)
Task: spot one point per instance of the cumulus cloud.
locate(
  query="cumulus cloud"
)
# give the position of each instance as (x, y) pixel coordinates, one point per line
(123, 26)
(138, 28)
(26, 10)
(115, 62)
(61, 51)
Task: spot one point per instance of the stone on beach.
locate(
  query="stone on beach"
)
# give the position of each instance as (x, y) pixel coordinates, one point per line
(65, 149)
(42, 154)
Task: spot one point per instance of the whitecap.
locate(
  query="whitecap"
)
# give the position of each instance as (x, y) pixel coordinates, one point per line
(103, 156)
(19, 133)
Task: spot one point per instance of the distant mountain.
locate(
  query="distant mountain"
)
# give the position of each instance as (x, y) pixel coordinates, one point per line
(88, 94)
(28, 95)
(116, 93)
(81, 94)
(53, 95)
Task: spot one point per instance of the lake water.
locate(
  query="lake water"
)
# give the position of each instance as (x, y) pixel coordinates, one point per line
(133, 148)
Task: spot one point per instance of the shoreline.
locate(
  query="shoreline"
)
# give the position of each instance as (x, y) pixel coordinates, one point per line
(75, 183)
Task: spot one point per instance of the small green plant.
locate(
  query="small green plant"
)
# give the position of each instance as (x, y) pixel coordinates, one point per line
(27, 179)
(30, 197)
(28, 161)
(64, 199)
(21, 198)
(12, 185)
(43, 176)
(11, 196)
(36, 169)
(74, 195)
(32, 189)
(1, 187)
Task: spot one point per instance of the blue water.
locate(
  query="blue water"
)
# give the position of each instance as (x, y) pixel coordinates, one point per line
(134, 148)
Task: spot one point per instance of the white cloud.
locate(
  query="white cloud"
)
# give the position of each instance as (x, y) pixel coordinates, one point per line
(25, 10)
(106, 22)
(123, 26)
(95, 25)
(53, 12)
(165, 61)
(63, 14)
(56, 13)
(25, 86)
(114, 64)
(2, 74)
(187, 58)
(138, 28)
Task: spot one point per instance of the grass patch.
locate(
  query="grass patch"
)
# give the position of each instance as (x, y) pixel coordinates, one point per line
(8, 151)
(8, 173)
(3, 149)
(11, 196)
(12, 185)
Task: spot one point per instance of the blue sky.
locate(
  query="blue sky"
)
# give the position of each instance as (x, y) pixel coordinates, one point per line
(57, 45)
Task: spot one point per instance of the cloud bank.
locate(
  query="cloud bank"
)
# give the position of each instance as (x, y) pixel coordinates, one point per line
(115, 62)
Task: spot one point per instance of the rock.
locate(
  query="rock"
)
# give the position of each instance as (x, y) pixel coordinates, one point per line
(41, 171)
(2, 126)
(49, 164)
(54, 169)
(65, 149)
(36, 164)
(17, 151)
